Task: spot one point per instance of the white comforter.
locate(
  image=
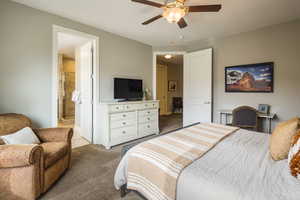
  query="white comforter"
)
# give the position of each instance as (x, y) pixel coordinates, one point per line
(238, 168)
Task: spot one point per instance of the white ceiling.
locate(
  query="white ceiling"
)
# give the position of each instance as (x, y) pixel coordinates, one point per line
(124, 18)
(67, 44)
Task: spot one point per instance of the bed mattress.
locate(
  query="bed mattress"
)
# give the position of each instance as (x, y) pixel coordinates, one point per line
(238, 168)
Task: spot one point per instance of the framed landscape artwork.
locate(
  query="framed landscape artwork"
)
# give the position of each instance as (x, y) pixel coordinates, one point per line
(250, 78)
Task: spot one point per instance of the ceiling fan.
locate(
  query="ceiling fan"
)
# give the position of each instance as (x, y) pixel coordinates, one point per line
(174, 11)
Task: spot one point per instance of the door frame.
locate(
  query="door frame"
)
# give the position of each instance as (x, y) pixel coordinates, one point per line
(96, 69)
(155, 54)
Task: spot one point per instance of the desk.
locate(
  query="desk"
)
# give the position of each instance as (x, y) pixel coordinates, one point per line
(268, 117)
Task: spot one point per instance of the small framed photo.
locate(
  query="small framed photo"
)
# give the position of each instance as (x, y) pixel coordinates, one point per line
(264, 108)
(172, 86)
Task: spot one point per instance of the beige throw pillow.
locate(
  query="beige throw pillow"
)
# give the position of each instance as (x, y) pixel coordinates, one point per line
(281, 138)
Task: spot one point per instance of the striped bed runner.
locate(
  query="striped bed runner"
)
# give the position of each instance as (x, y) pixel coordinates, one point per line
(155, 165)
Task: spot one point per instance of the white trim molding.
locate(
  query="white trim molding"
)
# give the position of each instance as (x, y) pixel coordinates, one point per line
(96, 70)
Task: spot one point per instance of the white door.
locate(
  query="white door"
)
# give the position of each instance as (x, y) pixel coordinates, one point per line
(162, 88)
(86, 91)
(197, 92)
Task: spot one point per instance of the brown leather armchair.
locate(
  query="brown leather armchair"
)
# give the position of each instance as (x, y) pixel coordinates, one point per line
(27, 171)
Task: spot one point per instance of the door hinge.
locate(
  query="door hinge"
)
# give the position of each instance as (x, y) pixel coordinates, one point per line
(92, 76)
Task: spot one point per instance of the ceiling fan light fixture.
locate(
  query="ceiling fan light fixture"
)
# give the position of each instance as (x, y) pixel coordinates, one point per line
(174, 12)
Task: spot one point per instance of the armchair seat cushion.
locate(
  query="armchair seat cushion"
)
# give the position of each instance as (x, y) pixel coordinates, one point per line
(54, 151)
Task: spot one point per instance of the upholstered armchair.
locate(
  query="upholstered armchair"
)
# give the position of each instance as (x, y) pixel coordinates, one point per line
(27, 171)
(245, 117)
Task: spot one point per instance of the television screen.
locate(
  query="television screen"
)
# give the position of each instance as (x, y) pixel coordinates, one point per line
(128, 88)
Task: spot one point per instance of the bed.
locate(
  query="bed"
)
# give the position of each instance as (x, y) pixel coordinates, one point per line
(237, 168)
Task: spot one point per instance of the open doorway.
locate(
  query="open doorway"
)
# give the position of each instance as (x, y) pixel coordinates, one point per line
(195, 91)
(169, 90)
(66, 75)
(74, 83)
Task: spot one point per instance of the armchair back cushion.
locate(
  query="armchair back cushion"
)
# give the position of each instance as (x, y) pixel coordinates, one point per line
(11, 122)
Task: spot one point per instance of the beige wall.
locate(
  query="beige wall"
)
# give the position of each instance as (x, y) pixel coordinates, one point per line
(281, 44)
(175, 73)
(26, 60)
(69, 64)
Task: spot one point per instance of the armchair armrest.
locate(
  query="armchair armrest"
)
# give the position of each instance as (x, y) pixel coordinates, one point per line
(55, 134)
(19, 155)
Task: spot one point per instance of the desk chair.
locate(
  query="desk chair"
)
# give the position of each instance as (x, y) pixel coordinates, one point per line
(245, 117)
(177, 104)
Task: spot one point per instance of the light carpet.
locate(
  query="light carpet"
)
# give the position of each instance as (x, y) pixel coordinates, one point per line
(90, 176)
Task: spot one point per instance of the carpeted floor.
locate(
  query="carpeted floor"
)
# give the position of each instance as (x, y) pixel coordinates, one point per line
(90, 177)
(92, 173)
(170, 122)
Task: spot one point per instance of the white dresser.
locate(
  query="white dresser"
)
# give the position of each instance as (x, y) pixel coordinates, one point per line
(121, 122)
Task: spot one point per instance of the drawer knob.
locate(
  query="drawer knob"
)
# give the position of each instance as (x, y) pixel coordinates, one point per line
(148, 118)
(124, 115)
(148, 126)
(127, 106)
(123, 132)
(148, 112)
(124, 123)
(117, 108)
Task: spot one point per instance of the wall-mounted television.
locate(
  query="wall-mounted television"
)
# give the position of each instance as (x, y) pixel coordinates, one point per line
(128, 89)
(250, 78)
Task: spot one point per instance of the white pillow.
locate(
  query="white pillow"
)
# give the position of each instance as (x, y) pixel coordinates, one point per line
(23, 136)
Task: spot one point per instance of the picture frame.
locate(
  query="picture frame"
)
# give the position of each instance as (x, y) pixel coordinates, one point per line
(264, 108)
(172, 86)
(254, 78)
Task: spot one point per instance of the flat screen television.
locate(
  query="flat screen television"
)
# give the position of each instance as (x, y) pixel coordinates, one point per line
(128, 89)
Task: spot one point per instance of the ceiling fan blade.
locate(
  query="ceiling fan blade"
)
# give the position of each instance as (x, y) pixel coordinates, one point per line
(152, 19)
(149, 3)
(182, 23)
(205, 8)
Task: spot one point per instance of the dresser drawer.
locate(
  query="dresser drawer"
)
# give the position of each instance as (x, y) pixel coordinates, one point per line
(116, 108)
(121, 135)
(130, 107)
(122, 123)
(148, 112)
(155, 105)
(122, 116)
(148, 118)
(149, 105)
(148, 129)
